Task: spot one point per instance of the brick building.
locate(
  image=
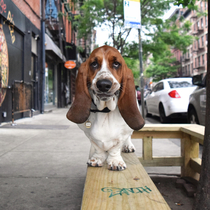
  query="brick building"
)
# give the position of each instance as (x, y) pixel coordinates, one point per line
(194, 61)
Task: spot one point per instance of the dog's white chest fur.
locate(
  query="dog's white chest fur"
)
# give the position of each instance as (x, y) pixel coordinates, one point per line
(107, 129)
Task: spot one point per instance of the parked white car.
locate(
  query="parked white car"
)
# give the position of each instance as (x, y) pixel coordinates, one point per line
(169, 97)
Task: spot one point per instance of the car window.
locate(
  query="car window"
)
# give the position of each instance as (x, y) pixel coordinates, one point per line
(154, 89)
(160, 86)
(179, 84)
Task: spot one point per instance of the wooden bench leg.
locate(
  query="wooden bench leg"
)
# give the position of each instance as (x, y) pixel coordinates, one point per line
(147, 148)
(189, 150)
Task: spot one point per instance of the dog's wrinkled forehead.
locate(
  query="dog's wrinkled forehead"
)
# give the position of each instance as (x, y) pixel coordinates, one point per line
(106, 60)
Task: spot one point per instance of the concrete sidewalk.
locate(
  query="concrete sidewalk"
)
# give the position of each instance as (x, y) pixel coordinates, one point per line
(43, 165)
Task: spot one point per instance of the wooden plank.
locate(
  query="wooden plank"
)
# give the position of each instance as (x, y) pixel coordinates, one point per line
(194, 130)
(162, 127)
(195, 164)
(163, 161)
(121, 190)
(147, 148)
(157, 134)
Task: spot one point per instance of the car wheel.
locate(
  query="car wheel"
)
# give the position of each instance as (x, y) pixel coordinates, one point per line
(192, 117)
(163, 118)
(146, 111)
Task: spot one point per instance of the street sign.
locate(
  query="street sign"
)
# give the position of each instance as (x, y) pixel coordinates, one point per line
(132, 16)
(70, 64)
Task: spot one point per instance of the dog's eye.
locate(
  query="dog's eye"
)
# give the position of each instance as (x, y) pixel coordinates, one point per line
(94, 65)
(116, 65)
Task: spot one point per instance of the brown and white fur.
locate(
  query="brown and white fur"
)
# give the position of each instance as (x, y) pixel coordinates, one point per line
(105, 81)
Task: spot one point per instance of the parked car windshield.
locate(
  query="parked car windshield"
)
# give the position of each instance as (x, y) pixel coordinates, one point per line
(179, 84)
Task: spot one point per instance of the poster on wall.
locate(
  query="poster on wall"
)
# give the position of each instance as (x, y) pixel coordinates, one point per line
(4, 65)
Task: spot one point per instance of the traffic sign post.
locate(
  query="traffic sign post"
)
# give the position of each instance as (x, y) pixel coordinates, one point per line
(132, 19)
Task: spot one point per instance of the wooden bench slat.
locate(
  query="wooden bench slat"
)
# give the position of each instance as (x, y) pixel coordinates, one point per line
(162, 161)
(157, 134)
(128, 189)
(162, 127)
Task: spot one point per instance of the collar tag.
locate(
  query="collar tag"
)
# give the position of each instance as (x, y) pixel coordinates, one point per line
(88, 124)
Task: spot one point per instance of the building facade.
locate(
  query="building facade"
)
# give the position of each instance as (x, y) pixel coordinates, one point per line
(194, 61)
(19, 58)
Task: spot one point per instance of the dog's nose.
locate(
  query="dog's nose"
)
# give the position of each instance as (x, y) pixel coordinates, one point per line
(104, 85)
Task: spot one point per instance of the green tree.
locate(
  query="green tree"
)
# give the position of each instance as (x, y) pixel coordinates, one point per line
(131, 57)
(162, 66)
(110, 13)
(168, 36)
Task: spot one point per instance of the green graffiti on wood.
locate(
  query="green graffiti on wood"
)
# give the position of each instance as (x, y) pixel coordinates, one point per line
(120, 191)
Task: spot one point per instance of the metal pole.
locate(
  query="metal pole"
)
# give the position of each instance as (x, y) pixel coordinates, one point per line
(141, 70)
(43, 55)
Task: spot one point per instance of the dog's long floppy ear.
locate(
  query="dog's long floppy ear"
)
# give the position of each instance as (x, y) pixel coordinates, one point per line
(127, 102)
(80, 109)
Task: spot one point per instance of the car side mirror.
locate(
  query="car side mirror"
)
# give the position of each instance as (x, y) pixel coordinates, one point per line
(198, 80)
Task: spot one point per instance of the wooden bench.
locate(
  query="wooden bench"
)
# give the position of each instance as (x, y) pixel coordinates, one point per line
(129, 189)
(133, 188)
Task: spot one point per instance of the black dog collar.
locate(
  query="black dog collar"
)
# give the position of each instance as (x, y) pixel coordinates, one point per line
(105, 110)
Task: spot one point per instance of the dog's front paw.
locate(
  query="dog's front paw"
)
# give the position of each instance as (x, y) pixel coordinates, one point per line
(116, 164)
(95, 162)
(127, 148)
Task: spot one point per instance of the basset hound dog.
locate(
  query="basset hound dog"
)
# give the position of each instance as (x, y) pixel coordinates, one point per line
(105, 107)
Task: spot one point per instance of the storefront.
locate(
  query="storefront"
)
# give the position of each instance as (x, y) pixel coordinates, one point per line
(19, 63)
(54, 73)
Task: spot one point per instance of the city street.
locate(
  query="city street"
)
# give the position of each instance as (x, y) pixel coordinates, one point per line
(53, 52)
(43, 165)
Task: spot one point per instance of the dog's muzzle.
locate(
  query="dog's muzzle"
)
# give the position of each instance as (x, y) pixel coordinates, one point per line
(104, 91)
(104, 85)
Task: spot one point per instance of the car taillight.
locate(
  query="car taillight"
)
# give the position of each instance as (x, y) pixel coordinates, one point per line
(174, 94)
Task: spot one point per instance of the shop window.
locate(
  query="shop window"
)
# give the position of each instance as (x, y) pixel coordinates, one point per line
(34, 45)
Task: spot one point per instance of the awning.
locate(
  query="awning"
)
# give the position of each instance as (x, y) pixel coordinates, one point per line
(51, 47)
